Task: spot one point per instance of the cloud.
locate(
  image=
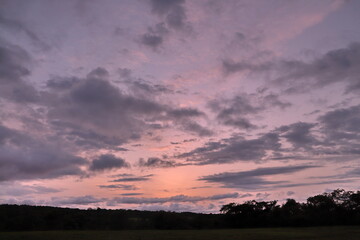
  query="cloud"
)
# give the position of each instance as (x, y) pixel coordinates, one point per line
(155, 162)
(151, 40)
(331, 138)
(93, 113)
(262, 196)
(233, 149)
(119, 186)
(117, 118)
(340, 65)
(82, 200)
(141, 87)
(62, 83)
(108, 162)
(290, 193)
(173, 17)
(172, 11)
(237, 111)
(155, 36)
(16, 189)
(296, 76)
(301, 184)
(131, 194)
(122, 175)
(173, 207)
(133, 179)
(196, 128)
(334, 136)
(230, 66)
(299, 135)
(14, 67)
(177, 198)
(253, 179)
(25, 157)
(16, 26)
(342, 123)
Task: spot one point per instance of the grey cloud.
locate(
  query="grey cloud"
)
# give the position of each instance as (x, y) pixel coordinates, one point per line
(272, 100)
(120, 117)
(236, 111)
(22, 202)
(155, 36)
(177, 198)
(37, 162)
(185, 112)
(133, 179)
(136, 145)
(208, 147)
(342, 123)
(242, 123)
(230, 66)
(15, 189)
(336, 66)
(98, 72)
(340, 132)
(332, 138)
(60, 83)
(262, 196)
(82, 200)
(233, 149)
(253, 179)
(89, 138)
(17, 26)
(196, 128)
(140, 87)
(173, 12)
(173, 17)
(341, 65)
(108, 162)
(119, 186)
(131, 194)
(25, 157)
(173, 207)
(288, 185)
(299, 134)
(125, 72)
(154, 162)
(164, 6)
(225, 196)
(290, 193)
(354, 172)
(14, 64)
(176, 17)
(346, 177)
(239, 104)
(122, 175)
(151, 40)
(7, 134)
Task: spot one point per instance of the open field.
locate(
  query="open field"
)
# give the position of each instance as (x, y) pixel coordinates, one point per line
(313, 233)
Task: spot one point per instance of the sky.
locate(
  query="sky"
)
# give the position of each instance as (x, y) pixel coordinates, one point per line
(177, 105)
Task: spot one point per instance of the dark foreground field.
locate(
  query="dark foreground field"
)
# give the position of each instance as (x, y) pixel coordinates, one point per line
(313, 233)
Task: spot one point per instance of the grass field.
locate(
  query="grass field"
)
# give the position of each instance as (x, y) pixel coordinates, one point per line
(313, 233)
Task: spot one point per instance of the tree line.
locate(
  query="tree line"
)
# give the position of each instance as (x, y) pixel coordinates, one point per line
(339, 207)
